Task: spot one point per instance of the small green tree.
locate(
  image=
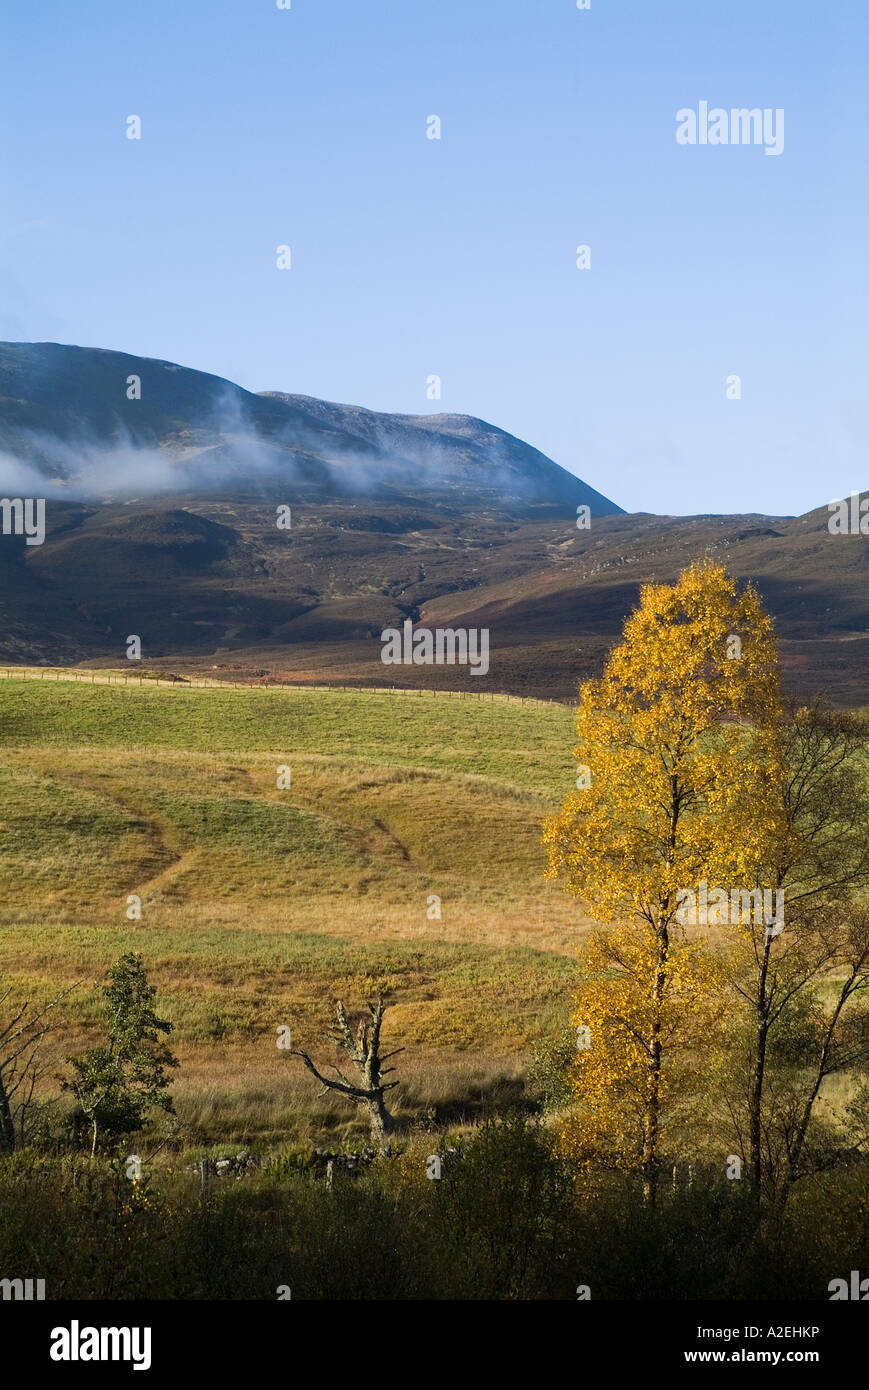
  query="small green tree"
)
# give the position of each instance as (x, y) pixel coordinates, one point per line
(117, 1082)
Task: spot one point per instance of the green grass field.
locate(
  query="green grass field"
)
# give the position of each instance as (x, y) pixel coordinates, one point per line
(260, 905)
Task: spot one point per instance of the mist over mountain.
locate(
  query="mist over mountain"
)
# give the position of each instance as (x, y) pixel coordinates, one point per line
(87, 423)
(161, 521)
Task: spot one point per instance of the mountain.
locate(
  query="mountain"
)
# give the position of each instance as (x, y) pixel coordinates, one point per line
(441, 519)
(90, 423)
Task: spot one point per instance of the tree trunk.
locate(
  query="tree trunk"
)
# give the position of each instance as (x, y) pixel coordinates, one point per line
(755, 1095)
(650, 1127)
(381, 1123)
(755, 1106)
(796, 1149)
(7, 1127)
(651, 1118)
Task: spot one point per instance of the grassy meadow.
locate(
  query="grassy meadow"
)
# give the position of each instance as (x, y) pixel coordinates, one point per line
(260, 905)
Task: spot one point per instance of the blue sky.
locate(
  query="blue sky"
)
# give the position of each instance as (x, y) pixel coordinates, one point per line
(414, 257)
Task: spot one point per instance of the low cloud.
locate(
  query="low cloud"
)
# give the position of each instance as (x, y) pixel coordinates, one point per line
(226, 450)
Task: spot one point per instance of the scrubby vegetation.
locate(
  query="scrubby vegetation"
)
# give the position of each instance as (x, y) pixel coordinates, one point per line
(507, 1219)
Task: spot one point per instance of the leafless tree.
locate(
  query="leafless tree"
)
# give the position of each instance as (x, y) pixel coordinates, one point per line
(823, 868)
(363, 1049)
(843, 1044)
(22, 1032)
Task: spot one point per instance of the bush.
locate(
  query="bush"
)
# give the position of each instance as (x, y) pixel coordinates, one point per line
(508, 1219)
(549, 1072)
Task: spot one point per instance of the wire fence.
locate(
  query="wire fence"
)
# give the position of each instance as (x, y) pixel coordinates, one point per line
(54, 673)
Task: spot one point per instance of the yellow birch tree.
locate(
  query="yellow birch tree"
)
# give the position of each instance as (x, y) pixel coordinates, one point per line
(679, 781)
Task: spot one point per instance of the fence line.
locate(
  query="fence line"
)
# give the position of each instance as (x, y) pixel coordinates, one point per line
(205, 683)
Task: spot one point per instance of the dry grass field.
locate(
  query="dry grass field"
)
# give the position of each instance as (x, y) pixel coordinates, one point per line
(259, 905)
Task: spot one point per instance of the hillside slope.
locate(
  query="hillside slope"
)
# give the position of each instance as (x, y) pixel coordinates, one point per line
(66, 422)
(212, 583)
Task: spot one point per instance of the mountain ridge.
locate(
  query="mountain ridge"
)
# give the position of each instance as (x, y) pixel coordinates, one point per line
(67, 418)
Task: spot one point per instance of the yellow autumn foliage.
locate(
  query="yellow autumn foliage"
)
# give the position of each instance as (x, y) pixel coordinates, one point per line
(614, 1002)
(680, 739)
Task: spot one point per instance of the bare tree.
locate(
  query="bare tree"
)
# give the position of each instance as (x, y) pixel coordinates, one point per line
(21, 1037)
(822, 866)
(363, 1049)
(841, 1048)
